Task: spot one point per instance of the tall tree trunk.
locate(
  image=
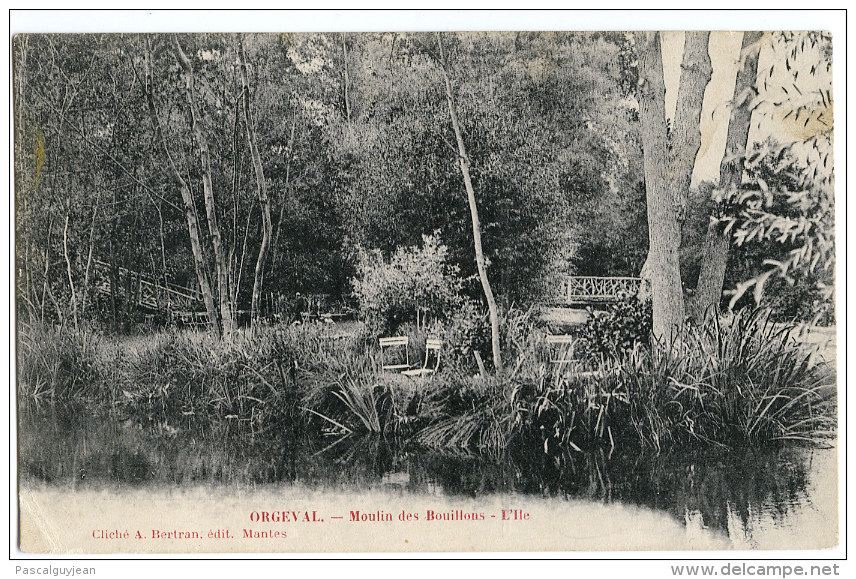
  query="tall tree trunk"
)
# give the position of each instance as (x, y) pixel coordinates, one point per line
(85, 289)
(240, 263)
(226, 315)
(233, 283)
(164, 275)
(705, 301)
(46, 281)
(685, 138)
(471, 197)
(289, 148)
(20, 63)
(664, 231)
(187, 198)
(114, 279)
(261, 186)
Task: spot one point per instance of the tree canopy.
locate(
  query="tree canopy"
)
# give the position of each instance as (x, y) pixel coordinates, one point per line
(355, 149)
(248, 168)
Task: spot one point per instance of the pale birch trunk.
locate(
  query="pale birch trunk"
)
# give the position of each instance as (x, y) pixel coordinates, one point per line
(261, 187)
(68, 269)
(187, 199)
(85, 289)
(463, 162)
(285, 185)
(347, 80)
(226, 314)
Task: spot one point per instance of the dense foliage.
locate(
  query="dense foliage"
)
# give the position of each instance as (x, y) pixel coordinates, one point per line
(355, 143)
(619, 329)
(747, 382)
(417, 282)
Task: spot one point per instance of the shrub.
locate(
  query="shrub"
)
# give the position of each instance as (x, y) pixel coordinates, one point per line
(798, 301)
(466, 331)
(619, 329)
(414, 279)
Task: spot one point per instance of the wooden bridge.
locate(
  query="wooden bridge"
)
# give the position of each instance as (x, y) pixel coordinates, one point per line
(591, 290)
(146, 291)
(186, 305)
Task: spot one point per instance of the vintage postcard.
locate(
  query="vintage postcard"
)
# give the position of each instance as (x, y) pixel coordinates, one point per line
(411, 292)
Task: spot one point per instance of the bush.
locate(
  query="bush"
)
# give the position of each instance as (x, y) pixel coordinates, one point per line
(415, 279)
(800, 301)
(619, 329)
(466, 331)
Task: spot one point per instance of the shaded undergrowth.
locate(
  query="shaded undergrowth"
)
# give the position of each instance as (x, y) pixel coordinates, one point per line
(744, 383)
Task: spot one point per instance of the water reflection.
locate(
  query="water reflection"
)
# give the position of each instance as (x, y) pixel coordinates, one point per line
(729, 491)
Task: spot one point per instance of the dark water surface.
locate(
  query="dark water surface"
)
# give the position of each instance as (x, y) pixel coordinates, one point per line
(753, 496)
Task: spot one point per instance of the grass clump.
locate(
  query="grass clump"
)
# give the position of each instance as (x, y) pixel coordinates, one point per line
(57, 364)
(754, 383)
(745, 383)
(185, 374)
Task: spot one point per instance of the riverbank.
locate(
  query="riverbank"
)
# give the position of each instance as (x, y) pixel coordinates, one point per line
(746, 383)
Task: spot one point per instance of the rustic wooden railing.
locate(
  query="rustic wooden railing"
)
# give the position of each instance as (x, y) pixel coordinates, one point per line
(590, 290)
(148, 292)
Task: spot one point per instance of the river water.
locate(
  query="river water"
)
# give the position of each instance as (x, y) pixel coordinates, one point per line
(82, 475)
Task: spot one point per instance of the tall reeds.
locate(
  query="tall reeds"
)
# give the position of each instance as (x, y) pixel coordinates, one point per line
(57, 365)
(744, 383)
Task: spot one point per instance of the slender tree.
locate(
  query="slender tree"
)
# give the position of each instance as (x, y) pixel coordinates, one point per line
(187, 199)
(464, 163)
(226, 314)
(261, 185)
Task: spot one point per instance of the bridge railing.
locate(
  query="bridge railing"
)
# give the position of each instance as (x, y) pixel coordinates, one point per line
(594, 289)
(148, 291)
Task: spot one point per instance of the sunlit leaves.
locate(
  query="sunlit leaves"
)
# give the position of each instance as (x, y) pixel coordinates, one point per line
(796, 212)
(788, 193)
(413, 279)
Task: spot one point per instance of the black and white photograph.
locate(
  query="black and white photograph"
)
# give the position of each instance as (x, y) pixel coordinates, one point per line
(425, 291)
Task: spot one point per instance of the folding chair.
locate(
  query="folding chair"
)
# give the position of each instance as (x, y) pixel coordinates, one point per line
(563, 352)
(395, 344)
(431, 346)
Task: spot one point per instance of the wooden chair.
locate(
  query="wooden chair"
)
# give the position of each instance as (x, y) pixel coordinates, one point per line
(562, 351)
(395, 344)
(431, 346)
